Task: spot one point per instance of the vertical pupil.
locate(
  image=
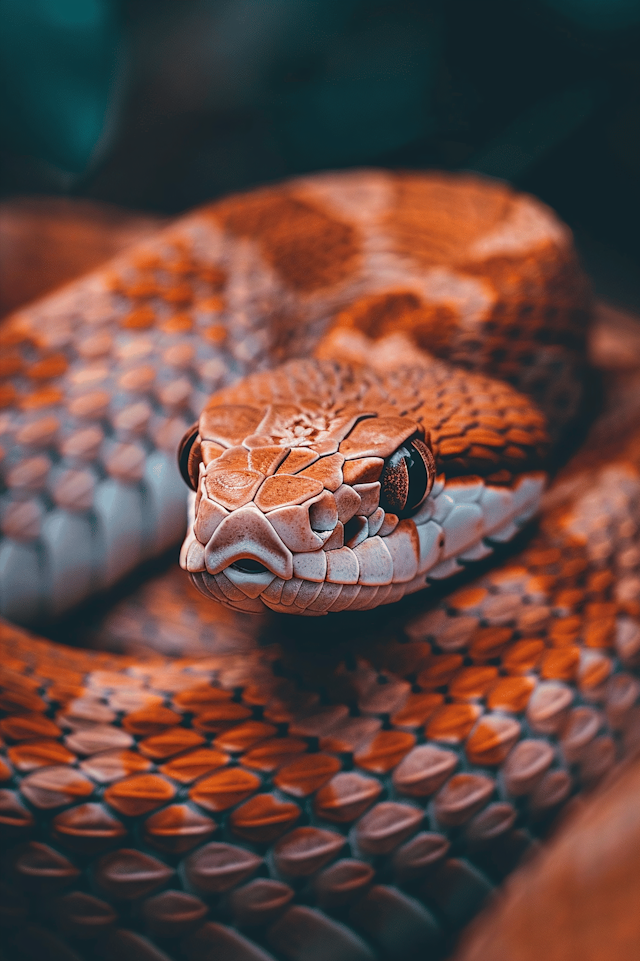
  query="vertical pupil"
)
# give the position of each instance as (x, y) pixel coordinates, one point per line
(405, 480)
(417, 477)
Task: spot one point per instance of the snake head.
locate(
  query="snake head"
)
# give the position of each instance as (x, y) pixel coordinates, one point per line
(301, 498)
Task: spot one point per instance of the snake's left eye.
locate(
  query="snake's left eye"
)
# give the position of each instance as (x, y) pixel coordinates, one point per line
(407, 478)
(189, 456)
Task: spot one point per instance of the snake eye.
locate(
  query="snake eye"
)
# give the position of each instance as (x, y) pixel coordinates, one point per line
(407, 478)
(189, 457)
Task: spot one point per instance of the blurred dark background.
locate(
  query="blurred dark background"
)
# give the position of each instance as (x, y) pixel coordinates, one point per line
(157, 105)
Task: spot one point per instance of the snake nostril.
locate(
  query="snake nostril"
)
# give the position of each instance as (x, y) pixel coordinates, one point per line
(249, 566)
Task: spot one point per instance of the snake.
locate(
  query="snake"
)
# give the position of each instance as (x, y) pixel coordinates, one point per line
(378, 677)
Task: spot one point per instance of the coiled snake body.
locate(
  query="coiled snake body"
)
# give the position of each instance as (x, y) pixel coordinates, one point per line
(240, 787)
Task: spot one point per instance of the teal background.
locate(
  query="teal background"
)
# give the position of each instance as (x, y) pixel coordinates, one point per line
(162, 104)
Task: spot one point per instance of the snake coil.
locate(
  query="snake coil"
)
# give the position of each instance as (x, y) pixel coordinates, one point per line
(379, 365)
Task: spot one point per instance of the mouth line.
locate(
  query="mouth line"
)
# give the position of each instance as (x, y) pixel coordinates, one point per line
(246, 565)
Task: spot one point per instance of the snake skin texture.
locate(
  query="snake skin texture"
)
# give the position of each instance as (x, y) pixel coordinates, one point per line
(190, 781)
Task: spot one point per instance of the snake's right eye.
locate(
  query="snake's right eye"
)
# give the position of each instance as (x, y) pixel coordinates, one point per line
(189, 457)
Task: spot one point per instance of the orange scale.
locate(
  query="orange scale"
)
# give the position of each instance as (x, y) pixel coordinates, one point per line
(472, 683)
(129, 700)
(451, 446)
(224, 789)
(258, 695)
(14, 681)
(244, 736)
(215, 333)
(26, 727)
(13, 334)
(146, 260)
(468, 598)
(213, 275)
(139, 794)
(108, 766)
(514, 453)
(384, 751)
(593, 671)
(87, 828)
(139, 319)
(488, 642)
(55, 786)
(144, 286)
(439, 671)
(544, 557)
(306, 774)
(263, 818)
(232, 488)
(180, 294)
(491, 740)
(599, 581)
(417, 709)
(266, 460)
(177, 324)
(53, 366)
(596, 610)
(560, 664)
(510, 694)
(346, 797)
(180, 266)
(21, 702)
(600, 633)
(113, 681)
(178, 828)
(211, 305)
(150, 721)
(522, 656)
(220, 718)
(284, 490)
(236, 459)
(113, 282)
(169, 679)
(170, 742)
(13, 663)
(453, 723)
(327, 470)
(63, 693)
(194, 764)
(36, 754)
(54, 672)
(198, 696)
(274, 753)
(365, 470)
(563, 631)
(568, 598)
(45, 397)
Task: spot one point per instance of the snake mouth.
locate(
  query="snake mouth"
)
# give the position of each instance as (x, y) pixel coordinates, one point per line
(247, 565)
